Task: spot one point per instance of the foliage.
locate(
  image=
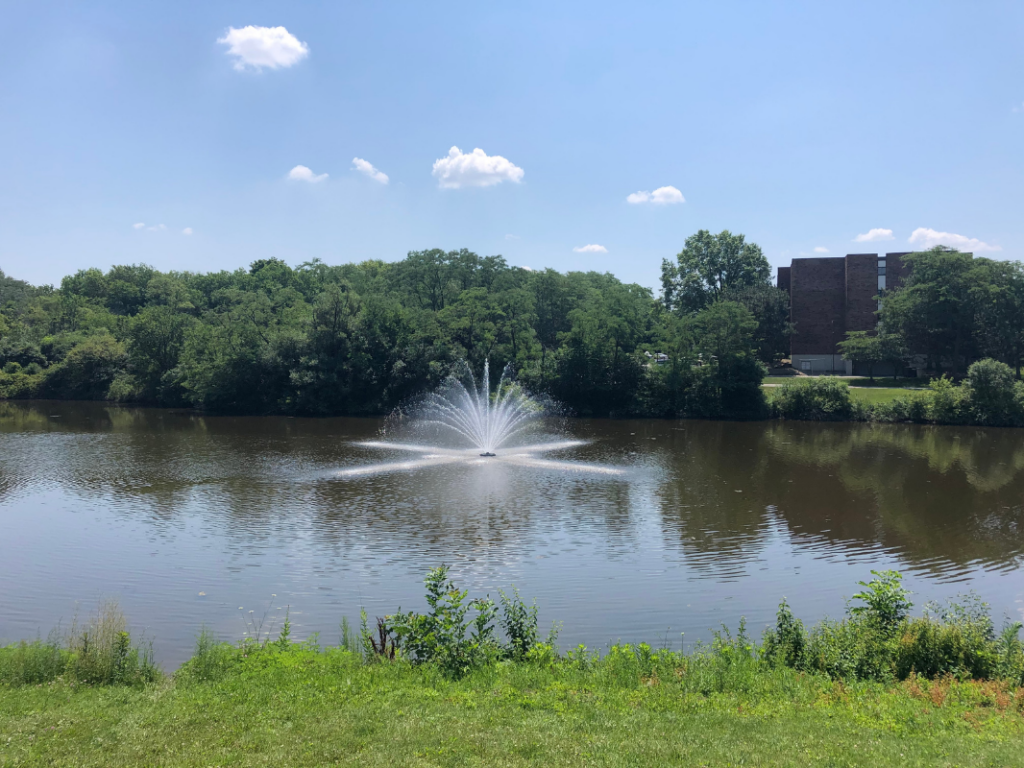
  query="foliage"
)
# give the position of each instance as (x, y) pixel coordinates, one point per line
(519, 623)
(769, 307)
(994, 396)
(823, 398)
(935, 311)
(707, 266)
(446, 635)
(873, 349)
(98, 652)
(885, 600)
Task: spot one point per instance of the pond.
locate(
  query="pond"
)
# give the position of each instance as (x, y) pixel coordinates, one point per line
(189, 521)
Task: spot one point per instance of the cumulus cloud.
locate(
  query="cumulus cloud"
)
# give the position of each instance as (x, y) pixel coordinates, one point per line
(660, 196)
(156, 228)
(140, 225)
(592, 248)
(259, 47)
(302, 173)
(925, 238)
(512, 237)
(367, 168)
(477, 169)
(820, 249)
(874, 235)
(187, 231)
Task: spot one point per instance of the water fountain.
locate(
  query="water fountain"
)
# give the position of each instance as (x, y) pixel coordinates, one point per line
(462, 422)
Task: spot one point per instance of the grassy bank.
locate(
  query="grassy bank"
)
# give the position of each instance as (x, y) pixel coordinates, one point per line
(304, 707)
(441, 688)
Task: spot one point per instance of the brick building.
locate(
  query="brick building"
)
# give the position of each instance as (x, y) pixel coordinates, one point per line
(830, 296)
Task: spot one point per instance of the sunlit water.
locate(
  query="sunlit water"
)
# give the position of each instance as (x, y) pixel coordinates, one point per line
(185, 518)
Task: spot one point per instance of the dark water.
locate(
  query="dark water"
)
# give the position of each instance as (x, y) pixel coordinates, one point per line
(183, 519)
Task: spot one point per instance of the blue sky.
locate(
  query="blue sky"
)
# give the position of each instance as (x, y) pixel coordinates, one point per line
(801, 125)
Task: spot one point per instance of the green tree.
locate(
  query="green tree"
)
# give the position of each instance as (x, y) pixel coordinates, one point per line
(873, 349)
(770, 307)
(936, 309)
(999, 297)
(707, 266)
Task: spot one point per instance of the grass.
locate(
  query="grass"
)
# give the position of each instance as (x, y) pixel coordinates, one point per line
(299, 706)
(730, 702)
(881, 382)
(873, 395)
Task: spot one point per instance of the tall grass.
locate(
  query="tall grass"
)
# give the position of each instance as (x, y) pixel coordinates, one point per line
(876, 640)
(97, 651)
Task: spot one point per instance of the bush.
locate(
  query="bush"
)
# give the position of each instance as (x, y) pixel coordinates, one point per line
(877, 641)
(785, 645)
(825, 398)
(991, 393)
(911, 408)
(519, 623)
(885, 601)
(948, 402)
(445, 635)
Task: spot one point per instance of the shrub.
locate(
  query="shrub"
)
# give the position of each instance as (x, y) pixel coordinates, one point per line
(445, 635)
(990, 392)
(885, 600)
(948, 402)
(821, 399)
(519, 623)
(910, 408)
(784, 646)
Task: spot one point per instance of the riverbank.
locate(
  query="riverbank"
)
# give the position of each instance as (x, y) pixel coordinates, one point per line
(441, 688)
(304, 707)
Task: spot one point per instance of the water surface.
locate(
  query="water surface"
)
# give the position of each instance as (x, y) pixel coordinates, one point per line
(185, 519)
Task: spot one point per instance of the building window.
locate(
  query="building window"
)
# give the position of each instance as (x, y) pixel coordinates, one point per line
(881, 275)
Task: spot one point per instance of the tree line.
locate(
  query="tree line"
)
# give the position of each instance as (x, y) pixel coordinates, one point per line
(363, 338)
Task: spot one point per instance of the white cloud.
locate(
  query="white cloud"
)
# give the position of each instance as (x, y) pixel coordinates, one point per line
(512, 237)
(302, 173)
(1019, 109)
(187, 231)
(925, 238)
(477, 169)
(592, 248)
(820, 249)
(873, 235)
(259, 47)
(140, 225)
(660, 196)
(528, 269)
(364, 167)
(156, 228)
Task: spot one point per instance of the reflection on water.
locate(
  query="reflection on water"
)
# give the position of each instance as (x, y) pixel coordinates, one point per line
(711, 521)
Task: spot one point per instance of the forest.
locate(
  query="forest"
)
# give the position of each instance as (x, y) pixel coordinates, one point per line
(364, 338)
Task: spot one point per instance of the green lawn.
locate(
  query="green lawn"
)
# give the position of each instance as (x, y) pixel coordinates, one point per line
(312, 709)
(874, 395)
(879, 382)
